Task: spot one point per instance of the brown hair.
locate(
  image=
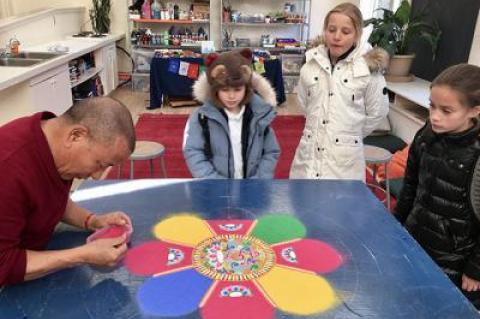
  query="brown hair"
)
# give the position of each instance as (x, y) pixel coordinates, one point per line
(351, 11)
(464, 79)
(105, 118)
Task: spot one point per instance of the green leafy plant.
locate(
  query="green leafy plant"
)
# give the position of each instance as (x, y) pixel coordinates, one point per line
(396, 31)
(100, 16)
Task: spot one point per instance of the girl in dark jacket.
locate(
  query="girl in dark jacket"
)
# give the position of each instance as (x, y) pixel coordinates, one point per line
(434, 204)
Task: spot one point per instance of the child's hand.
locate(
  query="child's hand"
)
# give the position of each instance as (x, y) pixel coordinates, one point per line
(469, 284)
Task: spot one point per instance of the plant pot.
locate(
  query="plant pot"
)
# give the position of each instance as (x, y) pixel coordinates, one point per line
(399, 68)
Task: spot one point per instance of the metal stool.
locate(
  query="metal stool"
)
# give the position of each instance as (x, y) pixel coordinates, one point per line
(146, 150)
(377, 155)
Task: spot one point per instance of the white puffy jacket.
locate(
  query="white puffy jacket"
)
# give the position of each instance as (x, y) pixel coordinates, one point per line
(341, 106)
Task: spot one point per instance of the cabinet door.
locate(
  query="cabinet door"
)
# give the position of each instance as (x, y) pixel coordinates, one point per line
(50, 91)
(106, 59)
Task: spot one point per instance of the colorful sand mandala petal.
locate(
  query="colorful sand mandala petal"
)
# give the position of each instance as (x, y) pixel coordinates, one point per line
(278, 228)
(233, 226)
(157, 257)
(175, 294)
(297, 292)
(236, 300)
(309, 254)
(184, 229)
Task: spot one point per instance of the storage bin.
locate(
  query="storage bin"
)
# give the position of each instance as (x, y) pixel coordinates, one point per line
(291, 63)
(142, 59)
(141, 82)
(290, 83)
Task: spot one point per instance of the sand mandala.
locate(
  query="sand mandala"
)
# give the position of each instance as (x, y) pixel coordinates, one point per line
(233, 268)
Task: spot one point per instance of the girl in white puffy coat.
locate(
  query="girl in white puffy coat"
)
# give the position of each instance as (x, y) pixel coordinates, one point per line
(343, 94)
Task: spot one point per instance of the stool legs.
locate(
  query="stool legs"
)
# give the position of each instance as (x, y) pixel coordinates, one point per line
(132, 168)
(387, 184)
(162, 164)
(119, 172)
(151, 167)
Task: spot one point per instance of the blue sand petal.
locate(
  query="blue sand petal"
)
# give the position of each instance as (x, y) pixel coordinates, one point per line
(175, 294)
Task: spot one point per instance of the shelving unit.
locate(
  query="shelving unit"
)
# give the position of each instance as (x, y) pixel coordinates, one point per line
(143, 53)
(90, 73)
(297, 27)
(158, 21)
(409, 108)
(258, 11)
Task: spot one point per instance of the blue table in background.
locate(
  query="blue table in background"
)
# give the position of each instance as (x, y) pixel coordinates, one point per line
(386, 274)
(165, 83)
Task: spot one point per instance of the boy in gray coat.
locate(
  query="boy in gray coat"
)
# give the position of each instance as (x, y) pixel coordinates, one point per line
(230, 135)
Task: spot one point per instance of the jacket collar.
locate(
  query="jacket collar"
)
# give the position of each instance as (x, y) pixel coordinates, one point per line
(465, 137)
(258, 107)
(363, 58)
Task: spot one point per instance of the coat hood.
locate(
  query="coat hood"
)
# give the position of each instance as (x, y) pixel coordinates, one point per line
(201, 89)
(377, 59)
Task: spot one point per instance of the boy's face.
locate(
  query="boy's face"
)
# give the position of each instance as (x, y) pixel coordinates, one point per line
(448, 114)
(231, 97)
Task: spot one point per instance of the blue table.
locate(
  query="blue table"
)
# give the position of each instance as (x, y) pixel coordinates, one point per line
(164, 83)
(385, 275)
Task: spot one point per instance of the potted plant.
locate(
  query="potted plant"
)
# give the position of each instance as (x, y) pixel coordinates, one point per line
(396, 31)
(100, 16)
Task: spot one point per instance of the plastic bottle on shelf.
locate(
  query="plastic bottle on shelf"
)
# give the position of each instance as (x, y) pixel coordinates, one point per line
(146, 10)
(156, 7)
(176, 11)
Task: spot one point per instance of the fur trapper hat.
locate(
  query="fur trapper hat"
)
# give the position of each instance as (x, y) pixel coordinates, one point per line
(229, 69)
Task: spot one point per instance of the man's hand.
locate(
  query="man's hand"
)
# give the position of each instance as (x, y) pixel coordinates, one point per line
(114, 218)
(105, 252)
(469, 284)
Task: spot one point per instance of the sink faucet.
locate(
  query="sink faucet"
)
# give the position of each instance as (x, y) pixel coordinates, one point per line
(3, 53)
(13, 45)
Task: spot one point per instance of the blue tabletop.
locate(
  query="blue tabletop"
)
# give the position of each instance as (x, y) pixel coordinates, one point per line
(385, 273)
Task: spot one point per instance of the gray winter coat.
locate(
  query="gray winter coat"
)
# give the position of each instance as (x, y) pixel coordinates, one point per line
(261, 150)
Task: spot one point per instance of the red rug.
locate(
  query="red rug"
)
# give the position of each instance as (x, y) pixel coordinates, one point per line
(168, 130)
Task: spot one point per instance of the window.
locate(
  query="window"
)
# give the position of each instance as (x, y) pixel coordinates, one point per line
(5, 8)
(368, 7)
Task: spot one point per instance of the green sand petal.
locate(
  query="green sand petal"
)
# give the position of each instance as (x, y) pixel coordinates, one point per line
(274, 229)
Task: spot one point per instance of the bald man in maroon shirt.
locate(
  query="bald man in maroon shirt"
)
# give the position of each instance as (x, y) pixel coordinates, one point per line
(40, 155)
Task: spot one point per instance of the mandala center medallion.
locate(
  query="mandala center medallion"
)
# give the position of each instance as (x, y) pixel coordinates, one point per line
(233, 257)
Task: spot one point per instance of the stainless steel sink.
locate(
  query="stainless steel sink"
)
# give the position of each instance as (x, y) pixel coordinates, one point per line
(19, 62)
(36, 55)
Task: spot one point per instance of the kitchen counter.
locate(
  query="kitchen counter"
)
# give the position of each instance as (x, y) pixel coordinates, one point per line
(9, 76)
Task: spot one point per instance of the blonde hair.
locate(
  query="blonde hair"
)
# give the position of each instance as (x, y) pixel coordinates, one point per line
(351, 11)
(464, 79)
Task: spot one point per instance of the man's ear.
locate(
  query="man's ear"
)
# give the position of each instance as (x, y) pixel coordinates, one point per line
(76, 133)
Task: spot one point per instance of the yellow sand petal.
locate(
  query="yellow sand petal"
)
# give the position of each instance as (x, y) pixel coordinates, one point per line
(185, 229)
(297, 292)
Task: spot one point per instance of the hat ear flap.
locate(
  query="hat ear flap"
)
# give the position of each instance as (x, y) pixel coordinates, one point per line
(210, 59)
(246, 53)
(246, 72)
(218, 71)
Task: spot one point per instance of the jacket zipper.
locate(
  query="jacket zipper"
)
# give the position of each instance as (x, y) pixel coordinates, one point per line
(229, 144)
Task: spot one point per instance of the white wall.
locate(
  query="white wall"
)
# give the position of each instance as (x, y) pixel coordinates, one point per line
(119, 20)
(320, 9)
(475, 50)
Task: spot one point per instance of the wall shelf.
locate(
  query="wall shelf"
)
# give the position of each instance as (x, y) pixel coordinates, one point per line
(90, 73)
(263, 24)
(158, 21)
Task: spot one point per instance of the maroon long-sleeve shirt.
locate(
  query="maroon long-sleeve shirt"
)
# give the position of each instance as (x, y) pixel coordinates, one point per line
(33, 196)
